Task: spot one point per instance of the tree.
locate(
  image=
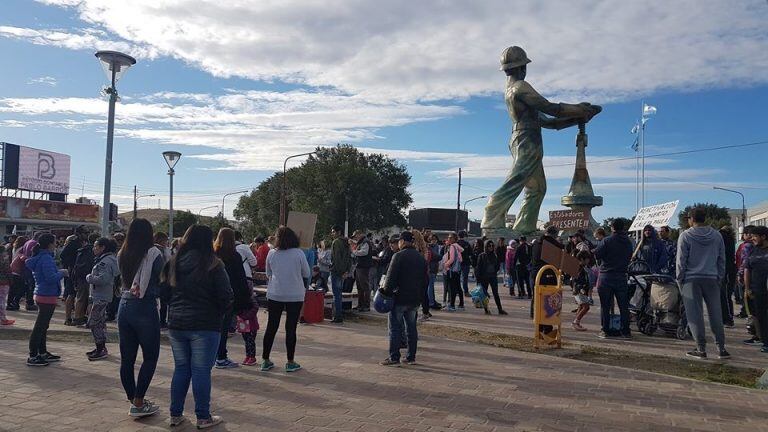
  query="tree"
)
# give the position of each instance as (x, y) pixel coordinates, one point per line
(181, 221)
(373, 188)
(608, 221)
(717, 217)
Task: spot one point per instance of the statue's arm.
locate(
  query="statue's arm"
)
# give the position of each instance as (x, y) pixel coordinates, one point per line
(566, 115)
(558, 122)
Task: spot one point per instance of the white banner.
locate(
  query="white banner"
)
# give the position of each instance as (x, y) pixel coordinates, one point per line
(43, 171)
(657, 216)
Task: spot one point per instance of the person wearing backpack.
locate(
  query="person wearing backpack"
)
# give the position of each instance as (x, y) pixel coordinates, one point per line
(452, 257)
(161, 243)
(83, 267)
(466, 261)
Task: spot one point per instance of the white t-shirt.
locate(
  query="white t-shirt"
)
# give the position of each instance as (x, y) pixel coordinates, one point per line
(248, 258)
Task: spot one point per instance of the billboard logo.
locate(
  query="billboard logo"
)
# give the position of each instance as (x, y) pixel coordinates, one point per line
(46, 166)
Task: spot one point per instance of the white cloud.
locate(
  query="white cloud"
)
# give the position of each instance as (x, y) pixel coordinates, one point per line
(44, 80)
(82, 39)
(430, 50)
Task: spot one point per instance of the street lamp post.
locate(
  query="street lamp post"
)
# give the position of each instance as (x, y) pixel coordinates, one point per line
(171, 158)
(473, 199)
(115, 64)
(136, 199)
(743, 204)
(199, 212)
(283, 201)
(230, 194)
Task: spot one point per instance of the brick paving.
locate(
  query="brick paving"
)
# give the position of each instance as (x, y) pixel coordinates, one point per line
(456, 386)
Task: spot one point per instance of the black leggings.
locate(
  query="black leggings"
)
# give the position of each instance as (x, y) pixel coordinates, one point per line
(39, 332)
(494, 283)
(275, 309)
(454, 288)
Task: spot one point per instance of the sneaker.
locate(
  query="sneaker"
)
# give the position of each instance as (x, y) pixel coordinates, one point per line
(503, 312)
(764, 349)
(460, 309)
(577, 326)
(12, 307)
(752, 341)
(266, 365)
(410, 362)
(450, 309)
(292, 366)
(226, 364)
(68, 323)
(31, 308)
(390, 362)
(742, 315)
(37, 361)
(729, 324)
(99, 355)
(337, 320)
(249, 361)
(7, 322)
(79, 322)
(724, 355)
(145, 410)
(436, 306)
(209, 423)
(177, 420)
(92, 352)
(602, 335)
(50, 358)
(696, 354)
(424, 318)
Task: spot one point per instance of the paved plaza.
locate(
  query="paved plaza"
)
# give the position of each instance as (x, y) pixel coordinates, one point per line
(455, 386)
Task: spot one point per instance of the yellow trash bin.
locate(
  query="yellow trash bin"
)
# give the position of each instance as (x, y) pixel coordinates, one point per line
(547, 305)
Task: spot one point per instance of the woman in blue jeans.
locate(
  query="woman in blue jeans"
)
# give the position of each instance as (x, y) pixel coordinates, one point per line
(138, 322)
(199, 297)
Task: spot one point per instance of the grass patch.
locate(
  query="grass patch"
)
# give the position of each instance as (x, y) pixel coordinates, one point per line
(679, 367)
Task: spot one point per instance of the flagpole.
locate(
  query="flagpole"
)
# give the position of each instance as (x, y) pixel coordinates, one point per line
(642, 150)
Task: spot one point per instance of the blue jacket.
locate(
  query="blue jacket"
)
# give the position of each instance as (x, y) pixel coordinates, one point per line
(654, 252)
(615, 253)
(47, 275)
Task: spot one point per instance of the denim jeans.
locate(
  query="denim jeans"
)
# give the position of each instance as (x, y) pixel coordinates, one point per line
(194, 352)
(337, 283)
(397, 316)
(465, 277)
(614, 286)
(431, 289)
(138, 324)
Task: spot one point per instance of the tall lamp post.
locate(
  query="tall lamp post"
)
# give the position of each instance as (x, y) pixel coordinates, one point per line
(230, 194)
(115, 64)
(136, 199)
(473, 199)
(199, 212)
(743, 204)
(283, 201)
(171, 158)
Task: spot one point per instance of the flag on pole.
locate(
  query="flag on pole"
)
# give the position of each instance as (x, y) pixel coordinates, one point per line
(635, 128)
(636, 144)
(648, 110)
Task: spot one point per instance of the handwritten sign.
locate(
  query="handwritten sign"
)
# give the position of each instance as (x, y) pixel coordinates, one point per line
(569, 219)
(656, 215)
(303, 224)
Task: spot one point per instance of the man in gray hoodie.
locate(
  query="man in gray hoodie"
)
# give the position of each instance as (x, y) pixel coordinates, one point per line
(700, 268)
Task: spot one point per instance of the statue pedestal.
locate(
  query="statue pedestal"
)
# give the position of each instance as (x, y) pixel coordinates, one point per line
(497, 233)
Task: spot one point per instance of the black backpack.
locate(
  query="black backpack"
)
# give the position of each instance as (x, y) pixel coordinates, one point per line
(466, 254)
(83, 262)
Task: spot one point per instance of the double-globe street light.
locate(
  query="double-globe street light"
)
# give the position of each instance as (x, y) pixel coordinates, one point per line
(115, 64)
(171, 158)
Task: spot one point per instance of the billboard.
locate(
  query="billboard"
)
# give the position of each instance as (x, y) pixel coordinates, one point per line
(36, 170)
(22, 208)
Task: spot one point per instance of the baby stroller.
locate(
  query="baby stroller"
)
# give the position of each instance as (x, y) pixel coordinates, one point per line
(660, 306)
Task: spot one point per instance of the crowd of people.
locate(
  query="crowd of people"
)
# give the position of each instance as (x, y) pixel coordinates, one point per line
(200, 288)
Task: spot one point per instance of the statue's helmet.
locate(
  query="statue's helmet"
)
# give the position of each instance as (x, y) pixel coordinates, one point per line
(513, 57)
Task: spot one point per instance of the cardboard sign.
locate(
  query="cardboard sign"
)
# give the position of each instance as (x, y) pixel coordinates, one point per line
(569, 219)
(303, 224)
(551, 254)
(656, 215)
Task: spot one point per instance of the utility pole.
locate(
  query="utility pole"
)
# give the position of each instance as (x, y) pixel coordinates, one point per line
(346, 214)
(458, 203)
(135, 204)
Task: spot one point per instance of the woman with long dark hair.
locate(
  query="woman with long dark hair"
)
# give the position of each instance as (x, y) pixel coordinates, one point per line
(138, 321)
(199, 299)
(225, 249)
(288, 271)
(47, 291)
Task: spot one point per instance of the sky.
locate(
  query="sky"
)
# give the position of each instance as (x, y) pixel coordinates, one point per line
(237, 86)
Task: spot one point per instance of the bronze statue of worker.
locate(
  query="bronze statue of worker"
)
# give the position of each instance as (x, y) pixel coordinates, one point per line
(530, 112)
